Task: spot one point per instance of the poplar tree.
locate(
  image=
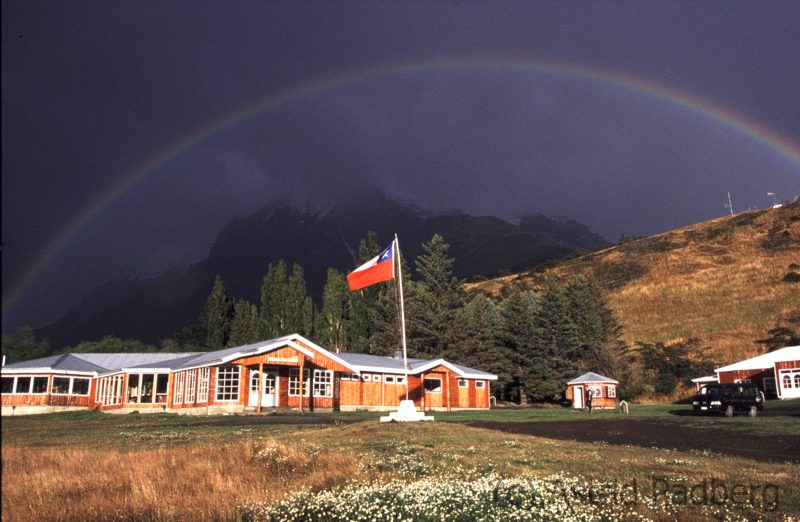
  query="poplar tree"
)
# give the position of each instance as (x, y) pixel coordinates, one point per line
(244, 325)
(335, 315)
(299, 308)
(360, 328)
(274, 293)
(218, 312)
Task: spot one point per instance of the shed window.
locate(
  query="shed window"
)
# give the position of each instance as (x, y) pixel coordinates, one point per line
(433, 385)
(463, 383)
(228, 384)
(611, 391)
(480, 384)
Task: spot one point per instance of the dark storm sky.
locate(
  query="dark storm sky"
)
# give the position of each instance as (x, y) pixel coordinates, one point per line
(91, 91)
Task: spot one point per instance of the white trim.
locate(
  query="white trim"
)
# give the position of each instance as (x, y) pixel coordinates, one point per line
(17, 371)
(764, 361)
(361, 368)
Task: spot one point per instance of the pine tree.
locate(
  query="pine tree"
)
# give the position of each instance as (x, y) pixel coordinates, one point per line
(599, 332)
(558, 347)
(218, 316)
(478, 343)
(274, 293)
(517, 334)
(434, 301)
(244, 326)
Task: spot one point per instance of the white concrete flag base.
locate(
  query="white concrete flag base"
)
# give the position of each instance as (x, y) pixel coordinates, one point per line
(407, 412)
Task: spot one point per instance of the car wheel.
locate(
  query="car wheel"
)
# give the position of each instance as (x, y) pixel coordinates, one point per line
(753, 411)
(729, 411)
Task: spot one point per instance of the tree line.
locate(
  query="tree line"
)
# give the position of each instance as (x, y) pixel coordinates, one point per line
(534, 341)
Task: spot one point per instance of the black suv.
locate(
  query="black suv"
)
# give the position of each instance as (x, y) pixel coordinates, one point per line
(729, 398)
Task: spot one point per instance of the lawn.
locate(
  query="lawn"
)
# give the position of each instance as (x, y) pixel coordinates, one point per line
(80, 466)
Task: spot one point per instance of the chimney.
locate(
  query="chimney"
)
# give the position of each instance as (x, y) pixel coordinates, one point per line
(398, 354)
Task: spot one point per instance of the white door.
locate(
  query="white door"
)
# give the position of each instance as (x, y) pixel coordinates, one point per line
(577, 397)
(253, 395)
(270, 397)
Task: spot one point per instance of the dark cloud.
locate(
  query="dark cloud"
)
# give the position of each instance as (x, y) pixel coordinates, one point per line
(93, 90)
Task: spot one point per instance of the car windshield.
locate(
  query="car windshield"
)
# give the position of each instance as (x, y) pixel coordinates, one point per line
(710, 390)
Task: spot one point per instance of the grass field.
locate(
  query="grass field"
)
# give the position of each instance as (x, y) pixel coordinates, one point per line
(92, 466)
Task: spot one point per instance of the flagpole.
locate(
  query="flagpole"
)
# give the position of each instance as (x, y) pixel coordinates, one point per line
(402, 310)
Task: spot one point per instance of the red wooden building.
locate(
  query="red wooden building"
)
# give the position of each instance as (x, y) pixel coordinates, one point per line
(603, 391)
(256, 377)
(776, 373)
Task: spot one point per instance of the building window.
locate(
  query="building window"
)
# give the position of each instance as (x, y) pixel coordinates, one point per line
(787, 382)
(797, 380)
(400, 379)
(323, 383)
(178, 395)
(202, 387)
(191, 385)
(70, 386)
(367, 377)
(355, 377)
(8, 385)
(162, 387)
(40, 384)
(433, 385)
(376, 377)
(109, 390)
(463, 383)
(611, 391)
(390, 379)
(294, 382)
(480, 384)
(23, 385)
(228, 384)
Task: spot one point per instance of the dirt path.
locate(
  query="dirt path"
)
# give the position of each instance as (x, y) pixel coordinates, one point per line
(647, 433)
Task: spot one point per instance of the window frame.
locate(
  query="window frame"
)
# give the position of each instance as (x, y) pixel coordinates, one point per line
(465, 383)
(203, 382)
(425, 384)
(322, 381)
(71, 386)
(225, 388)
(294, 382)
(480, 385)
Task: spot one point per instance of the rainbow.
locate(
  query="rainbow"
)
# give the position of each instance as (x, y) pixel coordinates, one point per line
(669, 95)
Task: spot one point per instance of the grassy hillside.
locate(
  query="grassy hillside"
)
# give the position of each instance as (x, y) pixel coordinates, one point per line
(721, 281)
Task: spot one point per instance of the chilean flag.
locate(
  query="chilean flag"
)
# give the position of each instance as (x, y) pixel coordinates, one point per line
(376, 270)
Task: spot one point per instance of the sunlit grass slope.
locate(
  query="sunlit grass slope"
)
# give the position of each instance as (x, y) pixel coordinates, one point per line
(721, 281)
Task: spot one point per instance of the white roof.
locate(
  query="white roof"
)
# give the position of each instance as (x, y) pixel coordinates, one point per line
(767, 360)
(707, 378)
